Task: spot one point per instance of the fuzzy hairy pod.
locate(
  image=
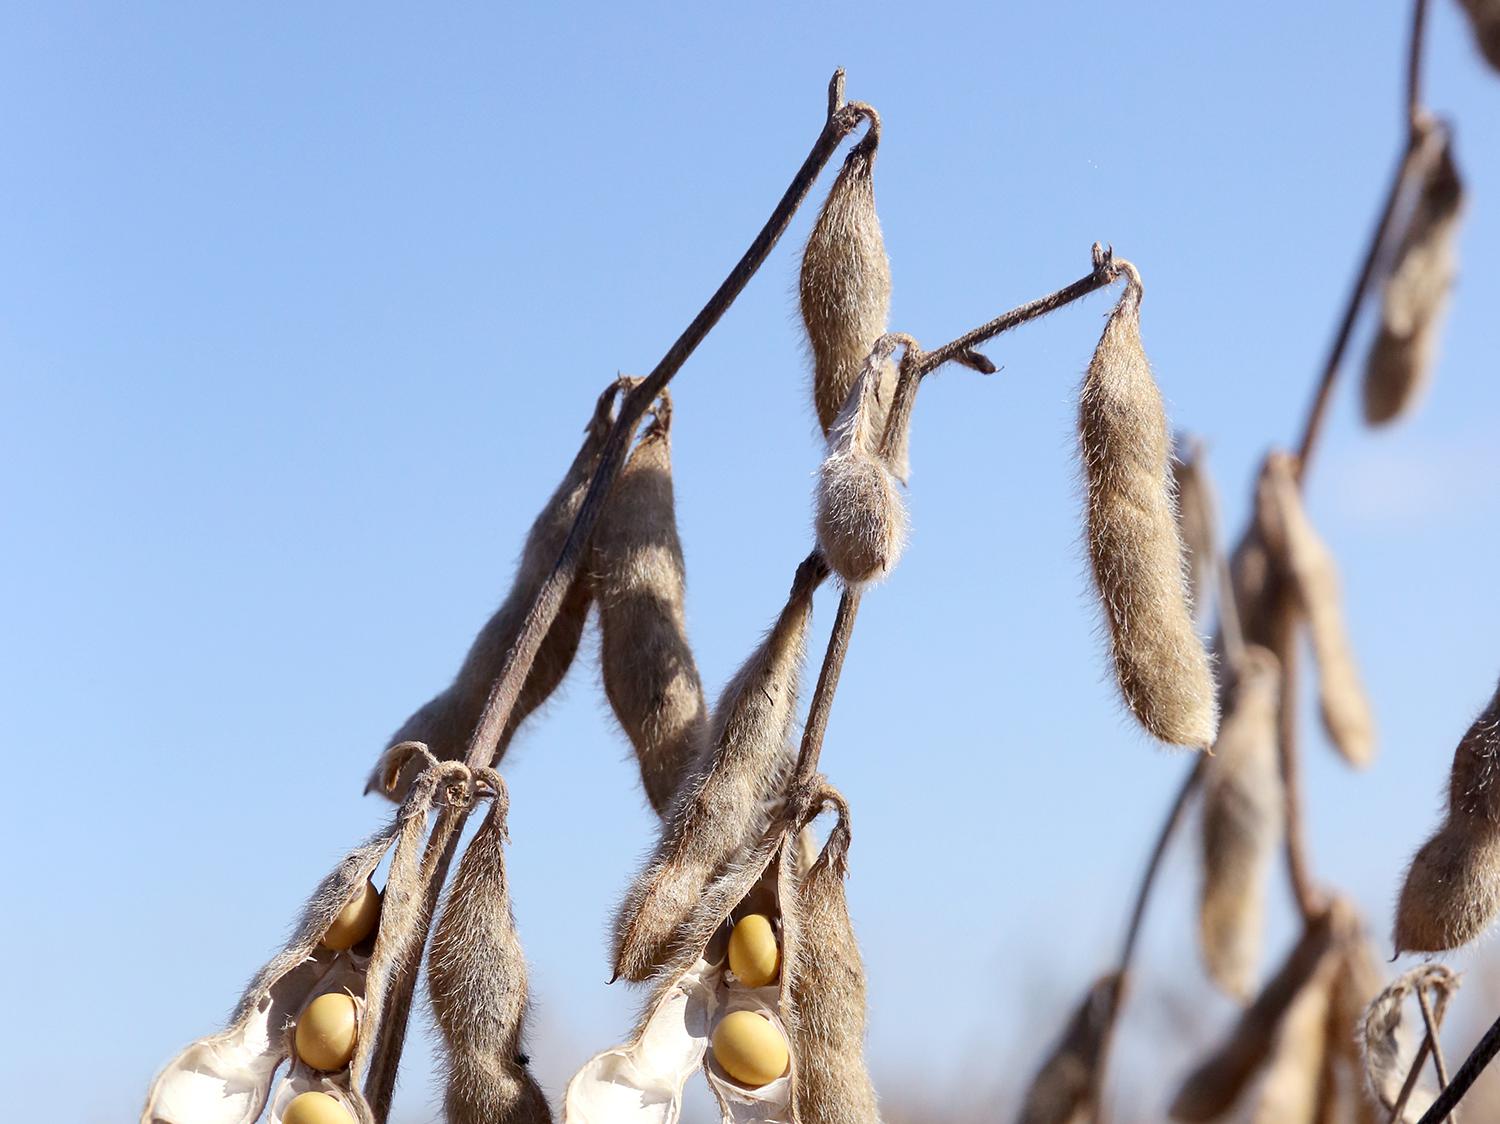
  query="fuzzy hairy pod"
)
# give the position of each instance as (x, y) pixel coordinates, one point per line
(1160, 662)
(446, 722)
(861, 520)
(1416, 295)
(1243, 808)
(227, 1077)
(1217, 1083)
(476, 976)
(1308, 568)
(1386, 1041)
(1194, 523)
(1484, 20)
(722, 809)
(845, 292)
(1452, 889)
(1066, 1086)
(639, 581)
(833, 1083)
(1291, 1089)
(1358, 980)
(642, 1080)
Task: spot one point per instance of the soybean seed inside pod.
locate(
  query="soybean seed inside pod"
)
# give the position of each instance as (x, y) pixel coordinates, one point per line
(1133, 541)
(754, 956)
(315, 1108)
(750, 1049)
(326, 1031)
(355, 921)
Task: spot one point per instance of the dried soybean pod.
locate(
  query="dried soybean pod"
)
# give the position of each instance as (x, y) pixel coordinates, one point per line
(1290, 1091)
(833, 1084)
(1452, 889)
(1067, 1084)
(1416, 294)
(845, 292)
(447, 721)
(1214, 1086)
(1484, 20)
(639, 581)
(1386, 1041)
(1312, 578)
(476, 976)
(226, 1077)
(1162, 668)
(1243, 807)
(722, 810)
(1357, 981)
(1194, 521)
(861, 520)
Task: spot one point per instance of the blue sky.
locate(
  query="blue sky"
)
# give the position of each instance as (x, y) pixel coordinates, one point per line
(302, 310)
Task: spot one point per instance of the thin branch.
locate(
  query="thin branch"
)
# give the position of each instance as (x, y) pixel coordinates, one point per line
(1434, 1022)
(1417, 135)
(828, 684)
(1483, 1053)
(1413, 1074)
(1414, 66)
(507, 686)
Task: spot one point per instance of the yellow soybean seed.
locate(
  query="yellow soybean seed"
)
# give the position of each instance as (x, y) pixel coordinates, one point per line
(355, 921)
(753, 955)
(326, 1031)
(315, 1108)
(750, 1049)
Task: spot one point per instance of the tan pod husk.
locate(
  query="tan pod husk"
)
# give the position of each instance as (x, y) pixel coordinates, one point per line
(1217, 1083)
(828, 988)
(642, 1081)
(1484, 20)
(640, 582)
(860, 519)
(1243, 809)
(1358, 980)
(845, 293)
(1388, 1043)
(1416, 295)
(1451, 893)
(1291, 1088)
(1307, 566)
(1136, 554)
(476, 978)
(446, 722)
(1066, 1088)
(227, 1077)
(721, 811)
(1194, 524)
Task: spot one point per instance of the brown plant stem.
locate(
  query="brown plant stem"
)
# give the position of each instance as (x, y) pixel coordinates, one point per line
(1413, 1074)
(1433, 1020)
(1483, 1053)
(828, 684)
(1416, 133)
(507, 687)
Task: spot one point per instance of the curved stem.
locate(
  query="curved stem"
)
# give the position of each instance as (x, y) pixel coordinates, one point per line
(544, 609)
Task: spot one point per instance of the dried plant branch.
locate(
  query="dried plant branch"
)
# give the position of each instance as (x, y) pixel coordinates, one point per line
(841, 120)
(1433, 1020)
(1413, 1074)
(828, 684)
(1483, 1053)
(1417, 133)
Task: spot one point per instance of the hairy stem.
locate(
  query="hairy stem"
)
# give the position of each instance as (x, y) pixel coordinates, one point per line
(507, 687)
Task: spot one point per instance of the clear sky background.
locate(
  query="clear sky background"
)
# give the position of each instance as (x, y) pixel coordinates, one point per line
(302, 310)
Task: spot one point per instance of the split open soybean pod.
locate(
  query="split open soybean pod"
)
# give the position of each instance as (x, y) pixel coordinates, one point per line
(721, 810)
(1136, 553)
